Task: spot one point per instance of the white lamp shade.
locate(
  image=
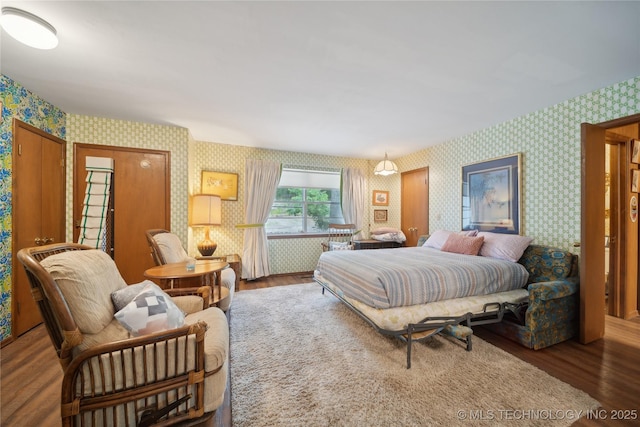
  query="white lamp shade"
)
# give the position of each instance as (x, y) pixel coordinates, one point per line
(385, 167)
(28, 28)
(206, 209)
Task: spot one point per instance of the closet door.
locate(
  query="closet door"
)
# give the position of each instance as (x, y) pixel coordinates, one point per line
(38, 208)
(415, 204)
(141, 190)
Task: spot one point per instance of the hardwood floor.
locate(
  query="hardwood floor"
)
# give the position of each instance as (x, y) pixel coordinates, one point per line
(608, 370)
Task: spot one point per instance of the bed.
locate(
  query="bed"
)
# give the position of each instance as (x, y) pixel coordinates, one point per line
(413, 293)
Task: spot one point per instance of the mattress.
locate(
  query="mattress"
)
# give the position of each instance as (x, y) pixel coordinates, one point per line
(401, 277)
(396, 319)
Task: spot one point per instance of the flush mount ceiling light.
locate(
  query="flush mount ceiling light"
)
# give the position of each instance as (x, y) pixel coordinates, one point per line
(28, 28)
(385, 167)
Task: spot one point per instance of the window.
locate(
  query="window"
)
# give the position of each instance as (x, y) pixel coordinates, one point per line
(306, 202)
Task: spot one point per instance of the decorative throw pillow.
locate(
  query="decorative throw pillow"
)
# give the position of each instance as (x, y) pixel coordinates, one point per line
(466, 245)
(509, 247)
(468, 233)
(86, 279)
(338, 246)
(150, 311)
(122, 297)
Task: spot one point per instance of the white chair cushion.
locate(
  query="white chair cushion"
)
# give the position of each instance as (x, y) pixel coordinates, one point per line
(189, 303)
(216, 337)
(171, 247)
(216, 354)
(340, 246)
(114, 331)
(86, 278)
(228, 279)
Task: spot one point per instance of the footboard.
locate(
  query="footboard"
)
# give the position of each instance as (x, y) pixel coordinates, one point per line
(458, 327)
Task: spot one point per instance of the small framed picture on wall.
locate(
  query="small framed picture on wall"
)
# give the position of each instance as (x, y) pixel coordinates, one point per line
(380, 198)
(635, 180)
(379, 215)
(222, 184)
(635, 151)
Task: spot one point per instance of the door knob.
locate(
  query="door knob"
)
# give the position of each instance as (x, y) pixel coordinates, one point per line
(39, 241)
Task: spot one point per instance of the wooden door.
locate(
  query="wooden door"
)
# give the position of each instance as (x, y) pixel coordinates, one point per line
(415, 204)
(623, 243)
(38, 209)
(141, 187)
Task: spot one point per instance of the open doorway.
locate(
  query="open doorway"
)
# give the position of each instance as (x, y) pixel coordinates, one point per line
(609, 225)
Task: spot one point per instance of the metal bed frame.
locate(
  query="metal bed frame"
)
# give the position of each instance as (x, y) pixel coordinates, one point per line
(429, 326)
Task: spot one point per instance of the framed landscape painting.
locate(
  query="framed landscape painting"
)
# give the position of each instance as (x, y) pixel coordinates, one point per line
(222, 184)
(491, 195)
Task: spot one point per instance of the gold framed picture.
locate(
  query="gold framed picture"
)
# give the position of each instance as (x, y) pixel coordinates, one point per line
(635, 151)
(222, 184)
(379, 215)
(380, 198)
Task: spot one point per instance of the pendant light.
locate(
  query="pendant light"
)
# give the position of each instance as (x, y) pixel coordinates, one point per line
(385, 167)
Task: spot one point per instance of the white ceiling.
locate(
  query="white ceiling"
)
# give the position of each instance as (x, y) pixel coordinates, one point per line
(342, 78)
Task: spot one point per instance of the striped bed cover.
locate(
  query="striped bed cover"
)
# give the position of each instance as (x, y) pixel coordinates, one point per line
(387, 278)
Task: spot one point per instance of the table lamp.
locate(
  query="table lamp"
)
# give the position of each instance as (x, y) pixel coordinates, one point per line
(206, 210)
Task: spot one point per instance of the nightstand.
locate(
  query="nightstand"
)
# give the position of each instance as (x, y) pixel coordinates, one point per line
(373, 244)
(234, 261)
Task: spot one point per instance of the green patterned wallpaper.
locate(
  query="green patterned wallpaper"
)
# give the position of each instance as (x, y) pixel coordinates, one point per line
(550, 142)
(19, 103)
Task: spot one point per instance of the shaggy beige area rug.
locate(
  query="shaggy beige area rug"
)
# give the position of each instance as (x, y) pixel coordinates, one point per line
(301, 358)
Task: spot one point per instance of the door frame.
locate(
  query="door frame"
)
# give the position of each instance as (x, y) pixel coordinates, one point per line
(592, 289)
(15, 200)
(121, 223)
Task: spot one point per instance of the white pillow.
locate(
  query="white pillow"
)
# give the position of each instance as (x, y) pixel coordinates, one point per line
(384, 230)
(397, 236)
(150, 311)
(509, 247)
(171, 247)
(86, 279)
(437, 239)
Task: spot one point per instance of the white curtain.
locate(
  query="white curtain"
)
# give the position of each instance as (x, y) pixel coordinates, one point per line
(261, 183)
(353, 197)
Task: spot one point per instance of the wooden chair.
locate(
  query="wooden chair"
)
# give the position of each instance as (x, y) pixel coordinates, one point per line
(174, 252)
(116, 380)
(339, 237)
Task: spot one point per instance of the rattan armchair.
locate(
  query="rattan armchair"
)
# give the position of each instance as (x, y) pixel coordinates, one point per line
(166, 248)
(163, 378)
